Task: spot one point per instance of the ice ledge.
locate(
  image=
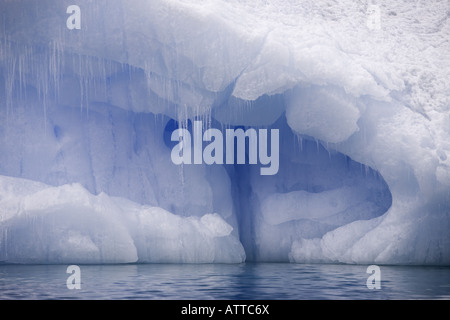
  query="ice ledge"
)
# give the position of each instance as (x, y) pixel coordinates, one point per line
(68, 224)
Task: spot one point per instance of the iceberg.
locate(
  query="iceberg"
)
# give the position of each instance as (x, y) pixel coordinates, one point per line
(90, 97)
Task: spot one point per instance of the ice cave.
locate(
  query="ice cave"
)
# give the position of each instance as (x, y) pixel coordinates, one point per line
(90, 97)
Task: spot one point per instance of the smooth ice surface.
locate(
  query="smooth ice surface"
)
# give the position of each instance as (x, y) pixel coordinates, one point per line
(361, 102)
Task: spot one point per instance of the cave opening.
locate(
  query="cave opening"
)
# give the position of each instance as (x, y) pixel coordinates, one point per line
(316, 190)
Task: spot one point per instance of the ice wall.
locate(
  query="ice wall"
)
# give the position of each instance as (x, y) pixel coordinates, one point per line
(360, 101)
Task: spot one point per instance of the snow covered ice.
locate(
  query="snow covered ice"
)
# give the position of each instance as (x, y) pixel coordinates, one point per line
(357, 90)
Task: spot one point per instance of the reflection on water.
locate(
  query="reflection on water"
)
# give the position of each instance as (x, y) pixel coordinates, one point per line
(221, 281)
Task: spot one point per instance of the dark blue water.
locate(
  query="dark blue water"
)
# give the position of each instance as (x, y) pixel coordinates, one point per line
(221, 281)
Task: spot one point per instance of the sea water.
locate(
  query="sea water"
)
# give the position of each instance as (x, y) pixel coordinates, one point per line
(265, 281)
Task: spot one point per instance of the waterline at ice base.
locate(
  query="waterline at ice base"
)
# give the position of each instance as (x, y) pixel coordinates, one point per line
(351, 118)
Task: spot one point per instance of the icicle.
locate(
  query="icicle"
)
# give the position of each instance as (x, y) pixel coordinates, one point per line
(55, 66)
(327, 148)
(300, 139)
(6, 243)
(9, 85)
